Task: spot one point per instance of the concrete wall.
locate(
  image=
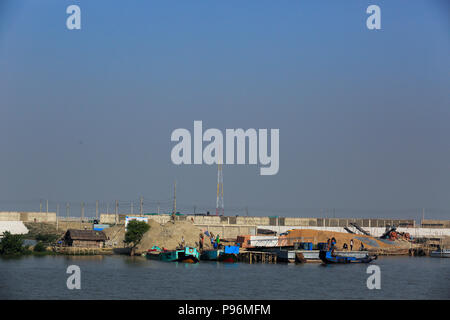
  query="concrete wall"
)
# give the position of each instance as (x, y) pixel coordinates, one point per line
(230, 227)
(427, 223)
(375, 231)
(64, 225)
(228, 231)
(28, 216)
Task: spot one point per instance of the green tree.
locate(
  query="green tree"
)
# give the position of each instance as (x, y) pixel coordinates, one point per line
(40, 247)
(11, 244)
(135, 232)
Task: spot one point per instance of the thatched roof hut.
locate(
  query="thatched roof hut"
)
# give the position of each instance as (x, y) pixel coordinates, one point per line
(84, 238)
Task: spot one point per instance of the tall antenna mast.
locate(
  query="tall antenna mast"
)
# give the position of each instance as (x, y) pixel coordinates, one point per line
(219, 202)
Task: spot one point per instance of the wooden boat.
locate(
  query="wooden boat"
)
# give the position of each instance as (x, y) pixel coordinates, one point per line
(210, 255)
(328, 257)
(187, 255)
(441, 253)
(302, 256)
(227, 254)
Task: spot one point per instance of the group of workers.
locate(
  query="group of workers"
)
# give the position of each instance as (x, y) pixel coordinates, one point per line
(215, 241)
(331, 244)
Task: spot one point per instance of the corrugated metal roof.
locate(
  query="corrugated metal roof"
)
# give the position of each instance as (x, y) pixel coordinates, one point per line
(93, 235)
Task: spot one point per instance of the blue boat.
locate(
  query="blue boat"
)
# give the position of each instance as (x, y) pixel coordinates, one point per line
(227, 254)
(328, 257)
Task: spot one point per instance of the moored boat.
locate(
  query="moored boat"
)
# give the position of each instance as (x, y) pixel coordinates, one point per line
(329, 257)
(226, 254)
(187, 255)
(229, 254)
(303, 256)
(441, 253)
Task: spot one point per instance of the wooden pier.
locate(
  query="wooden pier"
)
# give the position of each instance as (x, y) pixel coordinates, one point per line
(257, 257)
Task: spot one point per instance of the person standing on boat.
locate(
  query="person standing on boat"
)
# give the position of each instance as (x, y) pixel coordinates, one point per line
(218, 241)
(351, 245)
(333, 243)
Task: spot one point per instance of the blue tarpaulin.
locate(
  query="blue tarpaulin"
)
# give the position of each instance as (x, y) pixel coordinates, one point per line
(232, 249)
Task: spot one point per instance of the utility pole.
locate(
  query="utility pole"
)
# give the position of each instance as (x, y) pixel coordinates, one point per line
(131, 209)
(67, 210)
(195, 207)
(57, 213)
(40, 206)
(117, 211)
(96, 210)
(219, 200)
(82, 215)
(46, 202)
(423, 215)
(158, 207)
(141, 203)
(175, 197)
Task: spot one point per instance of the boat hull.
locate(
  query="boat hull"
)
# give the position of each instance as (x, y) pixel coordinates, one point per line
(328, 258)
(186, 255)
(228, 257)
(210, 255)
(228, 254)
(440, 254)
(302, 256)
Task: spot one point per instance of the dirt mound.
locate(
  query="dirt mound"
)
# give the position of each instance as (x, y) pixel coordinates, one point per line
(315, 236)
(170, 235)
(167, 236)
(36, 228)
(115, 236)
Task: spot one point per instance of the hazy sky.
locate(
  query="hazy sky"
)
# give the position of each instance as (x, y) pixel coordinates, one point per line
(364, 115)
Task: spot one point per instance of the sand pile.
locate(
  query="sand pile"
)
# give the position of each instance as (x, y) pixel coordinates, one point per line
(115, 235)
(170, 235)
(167, 236)
(315, 236)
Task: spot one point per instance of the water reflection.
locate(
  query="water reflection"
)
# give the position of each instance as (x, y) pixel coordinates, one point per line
(186, 265)
(84, 258)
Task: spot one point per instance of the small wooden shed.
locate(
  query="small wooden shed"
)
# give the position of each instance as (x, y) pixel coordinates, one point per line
(84, 238)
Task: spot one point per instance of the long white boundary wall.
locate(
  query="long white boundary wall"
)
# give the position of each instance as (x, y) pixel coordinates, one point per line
(376, 232)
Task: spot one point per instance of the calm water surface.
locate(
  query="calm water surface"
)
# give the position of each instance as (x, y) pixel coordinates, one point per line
(121, 277)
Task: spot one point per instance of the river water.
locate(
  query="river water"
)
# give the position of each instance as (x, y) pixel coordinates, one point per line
(122, 277)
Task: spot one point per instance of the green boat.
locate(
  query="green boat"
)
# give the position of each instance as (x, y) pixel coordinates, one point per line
(187, 255)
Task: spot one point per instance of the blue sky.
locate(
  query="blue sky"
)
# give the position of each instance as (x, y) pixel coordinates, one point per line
(363, 115)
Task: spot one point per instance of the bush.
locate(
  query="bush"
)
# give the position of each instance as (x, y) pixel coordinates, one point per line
(47, 238)
(40, 247)
(12, 244)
